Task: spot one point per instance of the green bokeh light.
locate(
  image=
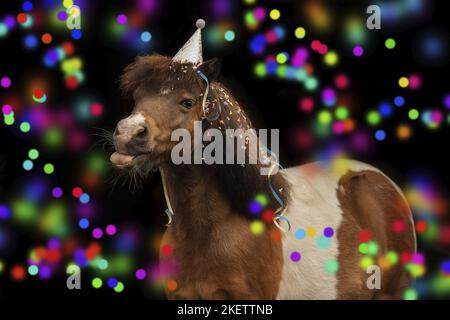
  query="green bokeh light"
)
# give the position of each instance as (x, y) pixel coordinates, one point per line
(53, 219)
(25, 127)
(413, 114)
(311, 84)
(341, 113)
(410, 294)
(331, 266)
(260, 70)
(33, 154)
(324, 117)
(97, 283)
(49, 168)
(53, 137)
(373, 118)
(119, 287)
(390, 43)
(24, 211)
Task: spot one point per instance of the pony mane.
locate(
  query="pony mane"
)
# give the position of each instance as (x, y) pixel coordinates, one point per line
(150, 73)
(241, 182)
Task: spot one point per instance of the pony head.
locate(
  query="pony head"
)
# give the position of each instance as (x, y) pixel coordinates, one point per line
(167, 95)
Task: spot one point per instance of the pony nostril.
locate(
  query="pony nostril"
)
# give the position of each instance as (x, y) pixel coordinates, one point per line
(142, 132)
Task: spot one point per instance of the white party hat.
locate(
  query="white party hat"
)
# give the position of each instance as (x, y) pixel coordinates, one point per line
(191, 52)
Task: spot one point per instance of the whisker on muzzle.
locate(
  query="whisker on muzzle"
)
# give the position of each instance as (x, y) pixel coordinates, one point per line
(132, 178)
(104, 139)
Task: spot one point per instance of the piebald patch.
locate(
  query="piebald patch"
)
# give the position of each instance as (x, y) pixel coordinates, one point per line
(371, 202)
(314, 204)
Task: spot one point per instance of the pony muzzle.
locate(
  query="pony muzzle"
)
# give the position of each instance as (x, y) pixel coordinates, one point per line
(121, 160)
(131, 139)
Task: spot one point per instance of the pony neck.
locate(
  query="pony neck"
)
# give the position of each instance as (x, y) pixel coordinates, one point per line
(193, 196)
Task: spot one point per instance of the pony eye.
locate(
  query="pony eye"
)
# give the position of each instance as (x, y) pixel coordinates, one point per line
(187, 103)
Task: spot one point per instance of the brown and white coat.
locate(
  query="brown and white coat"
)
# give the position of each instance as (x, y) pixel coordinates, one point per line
(216, 255)
(222, 259)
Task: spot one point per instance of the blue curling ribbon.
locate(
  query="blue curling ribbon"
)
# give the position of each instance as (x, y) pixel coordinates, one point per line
(279, 213)
(169, 216)
(168, 211)
(205, 96)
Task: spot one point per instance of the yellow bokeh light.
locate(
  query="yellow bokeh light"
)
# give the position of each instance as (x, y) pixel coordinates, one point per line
(300, 33)
(257, 227)
(331, 58)
(67, 3)
(275, 14)
(403, 82)
(311, 232)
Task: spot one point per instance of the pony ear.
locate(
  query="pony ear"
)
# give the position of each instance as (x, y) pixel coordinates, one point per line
(211, 69)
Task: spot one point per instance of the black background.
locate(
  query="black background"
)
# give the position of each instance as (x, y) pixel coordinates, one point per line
(271, 103)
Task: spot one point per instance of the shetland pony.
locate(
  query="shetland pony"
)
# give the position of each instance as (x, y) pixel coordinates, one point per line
(215, 253)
